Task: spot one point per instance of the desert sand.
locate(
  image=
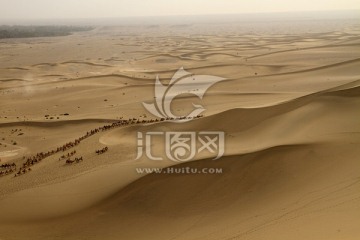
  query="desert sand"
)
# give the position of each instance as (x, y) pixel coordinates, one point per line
(289, 107)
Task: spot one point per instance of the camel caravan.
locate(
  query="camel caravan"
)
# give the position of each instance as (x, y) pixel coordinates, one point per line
(68, 158)
(26, 167)
(8, 165)
(22, 171)
(7, 172)
(102, 151)
(7, 169)
(76, 160)
(65, 156)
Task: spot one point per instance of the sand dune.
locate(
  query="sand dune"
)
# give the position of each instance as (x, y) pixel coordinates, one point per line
(289, 108)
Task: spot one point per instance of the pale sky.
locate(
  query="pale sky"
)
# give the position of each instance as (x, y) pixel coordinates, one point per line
(34, 9)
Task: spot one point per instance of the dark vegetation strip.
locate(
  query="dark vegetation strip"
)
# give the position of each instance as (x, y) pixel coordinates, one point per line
(39, 31)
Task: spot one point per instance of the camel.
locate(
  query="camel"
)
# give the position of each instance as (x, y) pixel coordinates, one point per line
(101, 151)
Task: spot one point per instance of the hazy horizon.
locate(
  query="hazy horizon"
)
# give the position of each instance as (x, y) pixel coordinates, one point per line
(190, 19)
(89, 9)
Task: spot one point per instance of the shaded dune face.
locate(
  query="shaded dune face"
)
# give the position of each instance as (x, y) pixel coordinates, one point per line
(289, 108)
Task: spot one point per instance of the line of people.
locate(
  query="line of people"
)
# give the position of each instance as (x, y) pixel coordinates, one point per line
(42, 155)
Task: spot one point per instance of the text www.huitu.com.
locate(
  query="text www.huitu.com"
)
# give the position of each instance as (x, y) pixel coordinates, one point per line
(177, 170)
